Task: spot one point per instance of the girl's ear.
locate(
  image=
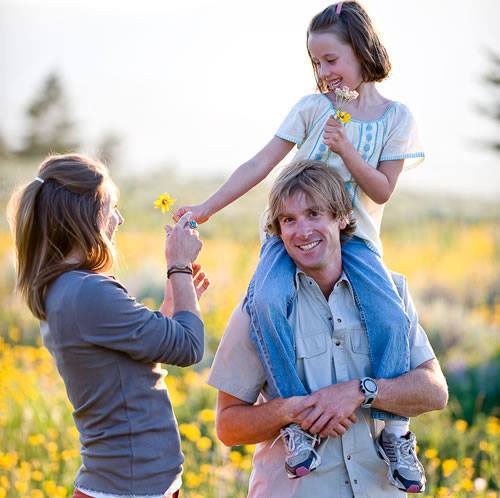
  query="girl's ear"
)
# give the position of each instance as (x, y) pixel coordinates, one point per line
(343, 223)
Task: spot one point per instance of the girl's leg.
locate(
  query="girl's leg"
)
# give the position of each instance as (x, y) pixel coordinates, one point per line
(382, 312)
(270, 293)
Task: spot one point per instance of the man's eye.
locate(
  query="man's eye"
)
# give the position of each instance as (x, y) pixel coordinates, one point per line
(332, 61)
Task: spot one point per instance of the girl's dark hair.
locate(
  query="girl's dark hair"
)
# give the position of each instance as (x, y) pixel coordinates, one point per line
(50, 219)
(353, 26)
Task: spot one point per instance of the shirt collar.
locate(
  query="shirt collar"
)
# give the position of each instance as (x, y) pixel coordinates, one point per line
(301, 276)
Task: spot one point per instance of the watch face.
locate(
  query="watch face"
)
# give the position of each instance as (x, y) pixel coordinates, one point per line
(370, 385)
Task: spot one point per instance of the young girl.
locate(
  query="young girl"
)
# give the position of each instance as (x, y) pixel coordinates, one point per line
(106, 345)
(369, 152)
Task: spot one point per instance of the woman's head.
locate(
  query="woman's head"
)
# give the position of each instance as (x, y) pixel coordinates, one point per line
(344, 48)
(62, 220)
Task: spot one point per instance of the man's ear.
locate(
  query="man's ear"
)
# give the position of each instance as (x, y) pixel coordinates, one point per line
(343, 222)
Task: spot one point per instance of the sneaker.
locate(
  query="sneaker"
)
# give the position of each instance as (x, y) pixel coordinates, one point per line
(405, 470)
(300, 456)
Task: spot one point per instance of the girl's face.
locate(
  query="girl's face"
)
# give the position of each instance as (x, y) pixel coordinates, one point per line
(112, 216)
(335, 61)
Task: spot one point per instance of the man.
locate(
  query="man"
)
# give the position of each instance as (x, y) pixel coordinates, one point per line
(331, 359)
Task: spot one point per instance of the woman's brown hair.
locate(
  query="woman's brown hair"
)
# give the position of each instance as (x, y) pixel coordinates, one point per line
(60, 213)
(353, 26)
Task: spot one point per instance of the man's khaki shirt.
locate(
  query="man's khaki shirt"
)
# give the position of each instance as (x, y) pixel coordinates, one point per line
(331, 347)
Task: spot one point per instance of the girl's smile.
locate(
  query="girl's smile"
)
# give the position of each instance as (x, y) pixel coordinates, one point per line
(335, 61)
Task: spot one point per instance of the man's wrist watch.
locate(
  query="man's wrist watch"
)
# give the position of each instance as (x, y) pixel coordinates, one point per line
(179, 269)
(369, 388)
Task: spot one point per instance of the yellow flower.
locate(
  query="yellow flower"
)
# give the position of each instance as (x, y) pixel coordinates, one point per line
(343, 116)
(164, 202)
(21, 486)
(468, 462)
(37, 475)
(431, 453)
(207, 415)
(484, 446)
(467, 484)
(192, 480)
(204, 443)
(492, 426)
(461, 425)
(190, 431)
(36, 439)
(235, 457)
(449, 466)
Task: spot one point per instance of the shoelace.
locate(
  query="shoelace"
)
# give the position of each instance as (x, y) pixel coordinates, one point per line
(291, 435)
(407, 452)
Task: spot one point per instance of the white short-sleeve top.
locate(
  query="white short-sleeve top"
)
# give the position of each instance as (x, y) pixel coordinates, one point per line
(392, 136)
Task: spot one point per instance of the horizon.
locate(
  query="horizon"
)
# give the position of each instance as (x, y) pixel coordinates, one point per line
(152, 80)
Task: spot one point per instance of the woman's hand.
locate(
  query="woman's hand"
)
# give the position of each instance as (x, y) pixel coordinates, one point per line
(200, 282)
(335, 137)
(199, 213)
(182, 244)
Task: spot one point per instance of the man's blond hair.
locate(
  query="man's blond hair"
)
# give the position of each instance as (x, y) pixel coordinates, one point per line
(318, 182)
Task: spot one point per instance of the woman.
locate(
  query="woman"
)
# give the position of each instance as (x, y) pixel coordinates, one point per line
(104, 343)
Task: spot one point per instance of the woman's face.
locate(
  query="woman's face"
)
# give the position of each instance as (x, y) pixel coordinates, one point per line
(112, 216)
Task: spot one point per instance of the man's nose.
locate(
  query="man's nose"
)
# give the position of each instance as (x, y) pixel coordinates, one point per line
(303, 229)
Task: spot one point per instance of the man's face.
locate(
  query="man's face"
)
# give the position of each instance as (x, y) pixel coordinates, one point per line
(310, 234)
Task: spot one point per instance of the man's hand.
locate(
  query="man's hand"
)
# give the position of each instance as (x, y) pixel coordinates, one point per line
(335, 137)
(329, 411)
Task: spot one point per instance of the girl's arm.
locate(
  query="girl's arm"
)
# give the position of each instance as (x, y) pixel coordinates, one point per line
(378, 184)
(242, 180)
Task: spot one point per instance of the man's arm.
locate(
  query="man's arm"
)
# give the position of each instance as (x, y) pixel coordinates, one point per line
(421, 390)
(238, 422)
(418, 391)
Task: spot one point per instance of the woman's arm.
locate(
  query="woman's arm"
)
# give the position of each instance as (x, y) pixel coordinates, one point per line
(241, 181)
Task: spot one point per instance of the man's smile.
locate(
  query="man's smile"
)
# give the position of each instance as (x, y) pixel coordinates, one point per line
(309, 246)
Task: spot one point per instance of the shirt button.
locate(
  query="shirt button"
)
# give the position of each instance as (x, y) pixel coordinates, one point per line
(355, 481)
(348, 457)
(339, 320)
(337, 343)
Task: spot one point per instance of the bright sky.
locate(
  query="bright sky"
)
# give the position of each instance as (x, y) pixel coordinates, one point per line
(204, 84)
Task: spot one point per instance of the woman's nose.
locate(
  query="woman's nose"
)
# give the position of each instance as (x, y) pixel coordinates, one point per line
(121, 219)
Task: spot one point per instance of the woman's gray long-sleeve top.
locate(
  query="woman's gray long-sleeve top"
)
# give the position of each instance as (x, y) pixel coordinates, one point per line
(106, 347)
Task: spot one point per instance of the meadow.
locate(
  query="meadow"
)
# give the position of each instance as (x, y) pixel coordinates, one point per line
(449, 249)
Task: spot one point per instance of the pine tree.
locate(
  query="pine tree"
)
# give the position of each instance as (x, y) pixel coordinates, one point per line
(50, 129)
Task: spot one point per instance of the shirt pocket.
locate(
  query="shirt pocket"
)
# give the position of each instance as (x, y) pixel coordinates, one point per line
(310, 346)
(314, 360)
(359, 342)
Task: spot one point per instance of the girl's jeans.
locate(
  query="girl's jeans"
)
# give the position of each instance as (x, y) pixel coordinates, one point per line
(271, 294)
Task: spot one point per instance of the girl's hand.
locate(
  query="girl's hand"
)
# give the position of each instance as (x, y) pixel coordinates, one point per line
(199, 213)
(335, 137)
(200, 282)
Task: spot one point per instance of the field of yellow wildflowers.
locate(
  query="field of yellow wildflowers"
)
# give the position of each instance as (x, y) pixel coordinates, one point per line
(452, 263)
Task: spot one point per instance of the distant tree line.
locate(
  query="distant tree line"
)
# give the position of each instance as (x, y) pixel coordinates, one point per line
(50, 128)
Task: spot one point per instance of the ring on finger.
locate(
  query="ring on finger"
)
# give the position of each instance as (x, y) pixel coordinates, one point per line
(193, 224)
